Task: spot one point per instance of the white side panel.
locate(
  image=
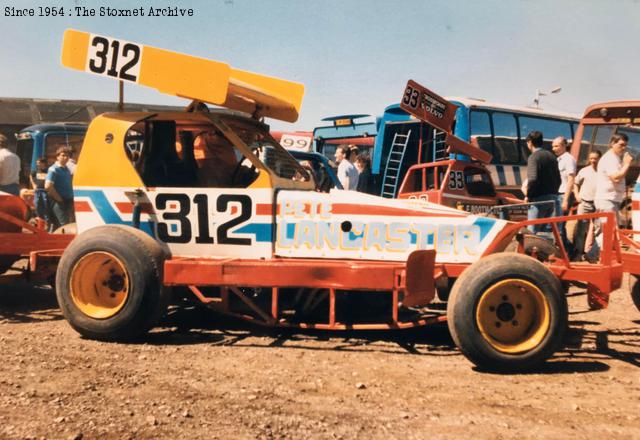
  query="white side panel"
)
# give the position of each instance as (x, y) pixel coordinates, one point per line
(351, 225)
(193, 222)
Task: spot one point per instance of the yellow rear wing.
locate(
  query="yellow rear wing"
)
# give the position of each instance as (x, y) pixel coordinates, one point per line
(183, 75)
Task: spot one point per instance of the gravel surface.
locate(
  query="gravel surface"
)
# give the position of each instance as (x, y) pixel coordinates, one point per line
(200, 376)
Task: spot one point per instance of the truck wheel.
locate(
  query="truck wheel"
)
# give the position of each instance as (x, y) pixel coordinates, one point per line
(109, 283)
(507, 312)
(542, 247)
(635, 290)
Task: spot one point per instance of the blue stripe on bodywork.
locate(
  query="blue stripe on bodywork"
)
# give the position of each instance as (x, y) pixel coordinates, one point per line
(485, 224)
(501, 176)
(637, 187)
(516, 174)
(262, 231)
(106, 211)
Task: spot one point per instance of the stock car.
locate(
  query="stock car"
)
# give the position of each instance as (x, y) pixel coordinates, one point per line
(210, 204)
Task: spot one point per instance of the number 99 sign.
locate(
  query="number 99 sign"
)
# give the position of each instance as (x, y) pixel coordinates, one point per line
(115, 58)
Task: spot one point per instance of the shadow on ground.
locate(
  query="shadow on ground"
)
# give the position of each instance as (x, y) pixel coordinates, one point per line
(585, 350)
(25, 303)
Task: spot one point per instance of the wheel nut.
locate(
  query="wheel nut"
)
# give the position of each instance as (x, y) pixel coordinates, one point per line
(518, 306)
(498, 324)
(112, 270)
(492, 309)
(505, 298)
(104, 283)
(113, 295)
(514, 322)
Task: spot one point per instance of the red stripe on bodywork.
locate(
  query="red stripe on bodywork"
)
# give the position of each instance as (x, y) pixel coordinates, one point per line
(127, 208)
(350, 209)
(635, 205)
(263, 208)
(343, 208)
(82, 206)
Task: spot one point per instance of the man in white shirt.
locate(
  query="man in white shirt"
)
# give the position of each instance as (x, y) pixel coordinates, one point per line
(612, 170)
(611, 183)
(584, 191)
(9, 168)
(347, 172)
(567, 167)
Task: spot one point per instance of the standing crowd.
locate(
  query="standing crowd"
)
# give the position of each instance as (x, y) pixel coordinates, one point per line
(553, 184)
(354, 170)
(53, 191)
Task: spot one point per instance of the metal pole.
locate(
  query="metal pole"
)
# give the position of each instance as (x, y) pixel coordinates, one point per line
(121, 96)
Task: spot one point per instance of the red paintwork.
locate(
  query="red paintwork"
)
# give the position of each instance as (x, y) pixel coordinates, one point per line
(460, 198)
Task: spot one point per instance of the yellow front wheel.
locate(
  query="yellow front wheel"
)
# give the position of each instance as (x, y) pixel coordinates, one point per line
(99, 284)
(109, 283)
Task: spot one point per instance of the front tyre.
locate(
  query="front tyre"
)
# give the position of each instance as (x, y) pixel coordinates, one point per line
(109, 283)
(507, 313)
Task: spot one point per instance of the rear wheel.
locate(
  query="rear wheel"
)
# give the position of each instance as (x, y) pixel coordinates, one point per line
(507, 312)
(541, 247)
(109, 283)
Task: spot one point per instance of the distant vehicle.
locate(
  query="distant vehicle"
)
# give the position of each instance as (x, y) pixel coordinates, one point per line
(344, 130)
(42, 140)
(599, 123)
(403, 140)
(295, 140)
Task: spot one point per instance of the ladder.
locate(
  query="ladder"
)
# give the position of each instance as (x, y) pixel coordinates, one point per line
(439, 146)
(394, 164)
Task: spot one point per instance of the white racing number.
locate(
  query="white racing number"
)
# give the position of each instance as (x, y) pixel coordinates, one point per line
(293, 142)
(174, 210)
(456, 180)
(115, 58)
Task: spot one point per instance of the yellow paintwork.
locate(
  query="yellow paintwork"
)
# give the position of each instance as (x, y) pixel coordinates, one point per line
(103, 163)
(530, 323)
(92, 288)
(200, 79)
(75, 49)
(263, 180)
(181, 75)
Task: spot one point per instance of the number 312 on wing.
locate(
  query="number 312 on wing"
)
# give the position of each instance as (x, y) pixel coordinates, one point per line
(115, 58)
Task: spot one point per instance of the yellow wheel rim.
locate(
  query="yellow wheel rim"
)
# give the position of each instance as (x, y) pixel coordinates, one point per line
(513, 316)
(99, 285)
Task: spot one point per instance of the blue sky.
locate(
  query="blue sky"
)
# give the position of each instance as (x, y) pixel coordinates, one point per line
(356, 56)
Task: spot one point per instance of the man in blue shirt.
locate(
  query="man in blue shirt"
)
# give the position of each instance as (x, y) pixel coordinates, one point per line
(59, 189)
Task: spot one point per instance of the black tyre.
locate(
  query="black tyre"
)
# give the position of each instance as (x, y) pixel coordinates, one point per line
(507, 313)
(635, 290)
(542, 247)
(109, 283)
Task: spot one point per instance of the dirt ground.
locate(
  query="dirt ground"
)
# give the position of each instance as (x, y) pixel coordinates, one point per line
(198, 376)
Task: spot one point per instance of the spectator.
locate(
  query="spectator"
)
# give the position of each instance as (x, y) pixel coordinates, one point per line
(72, 162)
(38, 177)
(354, 152)
(9, 168)
(365, 179)
(543, 180)
(611, 184)
(60, 190)
(584, 192)
(567, 167)
(347, 173)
